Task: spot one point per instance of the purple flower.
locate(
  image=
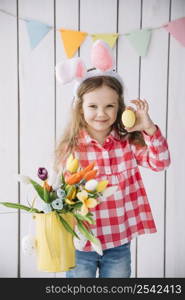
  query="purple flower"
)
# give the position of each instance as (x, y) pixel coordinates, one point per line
(42, 173)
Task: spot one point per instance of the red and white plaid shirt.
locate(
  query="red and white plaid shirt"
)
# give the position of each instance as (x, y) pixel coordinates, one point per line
(127, 213)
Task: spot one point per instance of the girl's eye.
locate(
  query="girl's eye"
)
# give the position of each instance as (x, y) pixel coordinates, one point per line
(92, 106)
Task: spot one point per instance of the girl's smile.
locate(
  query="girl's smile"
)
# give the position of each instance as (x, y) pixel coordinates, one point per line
(101, 121)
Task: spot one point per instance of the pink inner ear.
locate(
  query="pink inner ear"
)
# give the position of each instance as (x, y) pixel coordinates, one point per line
(101, 56)
(79, 70)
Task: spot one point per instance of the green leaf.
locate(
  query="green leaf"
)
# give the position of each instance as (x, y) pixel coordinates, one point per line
(46, 195)
(67, 226)
(89, 214)
(92, 195)
(63, 179)
(85, 232)
(20, 206)
(77, 205)
(90, 220)
(39, 189)
(84, 218)
(52, 196)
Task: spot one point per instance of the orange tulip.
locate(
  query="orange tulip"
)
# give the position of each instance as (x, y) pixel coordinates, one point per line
(90, 175)
(75, 178)
(87, 169)
(47, 186)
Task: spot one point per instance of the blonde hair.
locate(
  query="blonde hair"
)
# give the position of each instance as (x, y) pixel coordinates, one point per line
(69, 140)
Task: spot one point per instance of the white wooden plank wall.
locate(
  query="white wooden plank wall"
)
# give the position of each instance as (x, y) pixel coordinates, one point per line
(34, 110)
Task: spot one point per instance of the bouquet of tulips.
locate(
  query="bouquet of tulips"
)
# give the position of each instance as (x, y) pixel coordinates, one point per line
(75, 191)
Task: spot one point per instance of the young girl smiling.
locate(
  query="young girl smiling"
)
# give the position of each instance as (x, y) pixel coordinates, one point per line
(96, 134)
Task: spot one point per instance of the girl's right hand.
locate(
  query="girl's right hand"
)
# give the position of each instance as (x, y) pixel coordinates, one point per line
(143, 120)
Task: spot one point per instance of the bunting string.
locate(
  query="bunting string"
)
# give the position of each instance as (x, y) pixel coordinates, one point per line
(26, 19)
(10, 14)
(72, 39)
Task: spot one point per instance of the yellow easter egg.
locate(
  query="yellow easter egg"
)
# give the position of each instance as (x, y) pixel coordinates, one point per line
(128, 118)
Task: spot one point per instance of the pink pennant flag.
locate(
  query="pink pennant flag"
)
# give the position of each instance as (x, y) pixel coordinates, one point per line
(177, 29)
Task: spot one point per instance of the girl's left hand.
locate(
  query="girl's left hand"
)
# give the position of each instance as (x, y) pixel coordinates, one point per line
(143, 120)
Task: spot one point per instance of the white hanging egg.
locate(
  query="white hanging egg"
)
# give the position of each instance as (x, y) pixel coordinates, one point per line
(28, 244)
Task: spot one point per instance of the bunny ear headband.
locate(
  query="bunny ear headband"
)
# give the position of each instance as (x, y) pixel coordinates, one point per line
(74, 69)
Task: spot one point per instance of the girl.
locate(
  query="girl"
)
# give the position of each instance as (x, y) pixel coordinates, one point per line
(96, 133)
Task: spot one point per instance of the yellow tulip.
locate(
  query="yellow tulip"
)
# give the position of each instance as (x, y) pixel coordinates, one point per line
(82, 196)
(87, 202)
(71, 192)
(68, 201)
(91, 202)
(102, 185)
(72, 164)
(84, 210)
(73, 195)
(69, 160)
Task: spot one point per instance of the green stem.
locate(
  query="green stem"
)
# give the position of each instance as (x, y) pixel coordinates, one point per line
(20, 206)
(67, 226)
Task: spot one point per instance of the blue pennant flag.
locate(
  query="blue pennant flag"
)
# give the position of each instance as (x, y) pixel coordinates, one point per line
(36, 31)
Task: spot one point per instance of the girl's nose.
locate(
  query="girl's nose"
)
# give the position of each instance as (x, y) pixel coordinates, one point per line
(100, 112)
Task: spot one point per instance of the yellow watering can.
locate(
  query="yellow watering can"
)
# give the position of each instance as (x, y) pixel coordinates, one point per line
(54, 244)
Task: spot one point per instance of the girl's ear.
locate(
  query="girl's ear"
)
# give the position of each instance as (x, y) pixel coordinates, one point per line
(71, 69)
(101, 56)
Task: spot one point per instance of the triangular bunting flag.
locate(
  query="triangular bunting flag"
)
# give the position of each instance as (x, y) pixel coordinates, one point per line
(177, 29)
(140, 40)
(36, 31)
(72, 40)
(107, 37)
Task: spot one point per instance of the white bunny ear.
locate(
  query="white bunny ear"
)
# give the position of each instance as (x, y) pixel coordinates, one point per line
(101, 56)
(70, 69)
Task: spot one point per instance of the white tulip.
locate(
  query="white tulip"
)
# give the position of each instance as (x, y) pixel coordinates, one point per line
(52, 177)
(56, 182)
(97, 247)
(91, 185)
(109, 191)
(23, 178)
(79, 243)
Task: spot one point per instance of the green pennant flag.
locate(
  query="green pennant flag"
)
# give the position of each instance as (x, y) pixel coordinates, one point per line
(140, 40)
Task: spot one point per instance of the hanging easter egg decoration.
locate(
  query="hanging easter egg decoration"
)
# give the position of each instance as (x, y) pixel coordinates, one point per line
(28, 244)
(128, 118)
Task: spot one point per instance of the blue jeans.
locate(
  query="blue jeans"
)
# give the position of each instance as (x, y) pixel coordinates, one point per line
(115, 263)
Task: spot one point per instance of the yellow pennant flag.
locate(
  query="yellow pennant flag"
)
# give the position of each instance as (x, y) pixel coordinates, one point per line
(72, 40)
(106, 37)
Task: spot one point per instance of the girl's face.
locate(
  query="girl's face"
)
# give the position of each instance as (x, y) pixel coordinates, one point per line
(100, 108)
